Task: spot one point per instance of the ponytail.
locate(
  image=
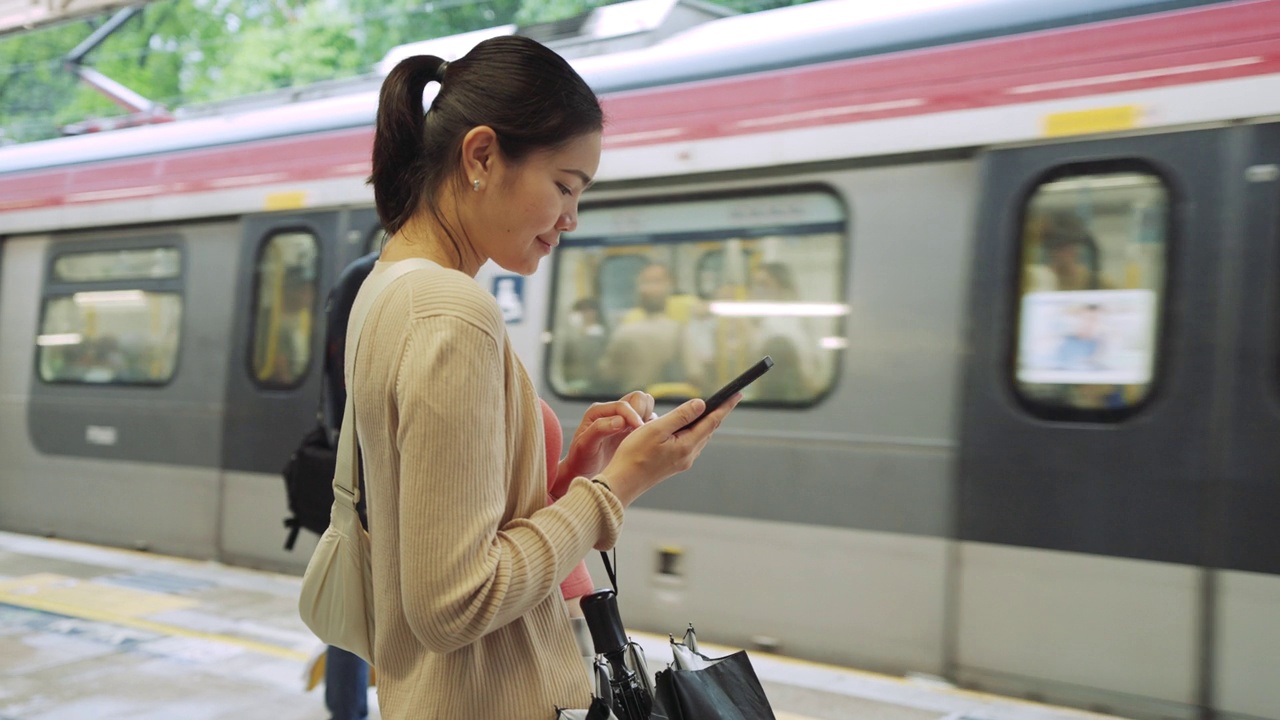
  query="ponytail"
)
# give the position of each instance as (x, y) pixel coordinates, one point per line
(399, 143)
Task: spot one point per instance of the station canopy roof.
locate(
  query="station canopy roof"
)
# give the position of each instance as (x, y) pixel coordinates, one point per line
(22, 15)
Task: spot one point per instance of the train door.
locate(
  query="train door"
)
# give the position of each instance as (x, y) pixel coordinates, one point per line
(1245, 535)
(1093, 418)
(287, 262)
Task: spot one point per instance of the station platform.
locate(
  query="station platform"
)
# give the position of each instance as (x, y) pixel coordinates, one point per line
(94, 633)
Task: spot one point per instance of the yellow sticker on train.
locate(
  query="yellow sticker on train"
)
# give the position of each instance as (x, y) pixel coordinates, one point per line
(286, 200)
(1095, 120)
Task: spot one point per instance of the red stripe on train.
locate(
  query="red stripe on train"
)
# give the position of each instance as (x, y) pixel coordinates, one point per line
(1198, 45)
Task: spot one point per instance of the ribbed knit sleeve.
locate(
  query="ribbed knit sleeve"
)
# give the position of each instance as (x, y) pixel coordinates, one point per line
(470, 563)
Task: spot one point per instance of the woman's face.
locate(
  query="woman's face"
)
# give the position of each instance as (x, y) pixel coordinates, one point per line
(529, 204)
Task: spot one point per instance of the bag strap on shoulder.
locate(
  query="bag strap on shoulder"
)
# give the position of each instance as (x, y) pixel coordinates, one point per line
(346, 476)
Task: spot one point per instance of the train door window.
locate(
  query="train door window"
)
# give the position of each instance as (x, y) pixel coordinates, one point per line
(677, 298)
(111, 317)
(284, 309)
(1093, 273)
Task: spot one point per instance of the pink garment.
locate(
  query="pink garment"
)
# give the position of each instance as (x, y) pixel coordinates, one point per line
(579, 581)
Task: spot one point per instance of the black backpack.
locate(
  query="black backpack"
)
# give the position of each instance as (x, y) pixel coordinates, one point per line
(308, 482)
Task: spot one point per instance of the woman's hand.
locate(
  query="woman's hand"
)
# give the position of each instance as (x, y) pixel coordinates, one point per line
(602, 429)
(653, 453)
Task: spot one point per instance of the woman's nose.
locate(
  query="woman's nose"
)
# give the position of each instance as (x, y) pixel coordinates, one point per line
(568, 222)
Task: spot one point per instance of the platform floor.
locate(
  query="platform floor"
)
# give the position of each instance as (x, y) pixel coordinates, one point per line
(92, 633)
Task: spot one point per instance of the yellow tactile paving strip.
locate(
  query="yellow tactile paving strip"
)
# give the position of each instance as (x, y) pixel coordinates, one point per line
(88, 600)
(58, 590)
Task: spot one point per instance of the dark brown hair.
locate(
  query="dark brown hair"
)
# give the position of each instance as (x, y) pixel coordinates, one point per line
(530, 96)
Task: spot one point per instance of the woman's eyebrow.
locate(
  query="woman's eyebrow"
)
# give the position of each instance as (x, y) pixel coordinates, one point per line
(586, 179)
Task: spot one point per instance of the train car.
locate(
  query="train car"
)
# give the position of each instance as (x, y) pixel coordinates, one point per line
(1016, 262)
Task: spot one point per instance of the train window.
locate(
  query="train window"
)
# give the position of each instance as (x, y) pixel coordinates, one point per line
(132, 264)
(111, 317)
(677, 298)
(123, 337)
(284, 309)
(1093, 274)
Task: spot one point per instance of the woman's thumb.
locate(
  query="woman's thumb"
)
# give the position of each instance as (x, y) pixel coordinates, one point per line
(684, 414)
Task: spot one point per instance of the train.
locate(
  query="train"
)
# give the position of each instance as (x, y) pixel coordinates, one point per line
(1015, 261)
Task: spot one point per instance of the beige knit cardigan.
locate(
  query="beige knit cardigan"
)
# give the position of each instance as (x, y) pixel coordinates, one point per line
(467, 555)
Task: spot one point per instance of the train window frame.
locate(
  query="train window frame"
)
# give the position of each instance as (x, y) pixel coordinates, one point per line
(57, 275)
(317, 323)
(1171, 239)
(56, 287)
(774, 191)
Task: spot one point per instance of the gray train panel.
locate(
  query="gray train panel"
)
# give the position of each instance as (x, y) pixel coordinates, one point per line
(1246, 525)
(1114, 634)
(170, 507)
(1244, 535)
(101, 411)
(19, 308)
(874, 453)
(868, 599)
(1247, 635)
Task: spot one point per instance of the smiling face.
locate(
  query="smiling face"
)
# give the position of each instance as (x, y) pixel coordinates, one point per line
(522, 208)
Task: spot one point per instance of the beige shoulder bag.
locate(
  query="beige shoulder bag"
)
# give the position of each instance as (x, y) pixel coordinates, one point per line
(337, 588)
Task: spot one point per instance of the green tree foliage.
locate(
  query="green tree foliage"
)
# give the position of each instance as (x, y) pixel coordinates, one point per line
(184, 52)
(34, 89)
(538, 11)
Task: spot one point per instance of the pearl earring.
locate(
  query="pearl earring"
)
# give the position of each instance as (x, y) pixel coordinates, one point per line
(475, 185)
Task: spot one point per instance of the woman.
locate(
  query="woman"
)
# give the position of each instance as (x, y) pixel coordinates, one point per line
(467, 550)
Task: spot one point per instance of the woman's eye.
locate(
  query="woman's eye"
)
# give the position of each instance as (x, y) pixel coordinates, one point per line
(564, 190)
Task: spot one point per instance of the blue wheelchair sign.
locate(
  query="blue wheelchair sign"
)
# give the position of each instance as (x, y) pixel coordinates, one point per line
(509, 291)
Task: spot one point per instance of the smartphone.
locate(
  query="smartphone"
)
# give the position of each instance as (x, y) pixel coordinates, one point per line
(733, 386)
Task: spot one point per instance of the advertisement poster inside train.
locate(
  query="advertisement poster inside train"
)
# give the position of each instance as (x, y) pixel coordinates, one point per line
(1087, 337)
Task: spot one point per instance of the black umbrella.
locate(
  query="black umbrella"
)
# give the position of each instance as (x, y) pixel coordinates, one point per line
(631, 699)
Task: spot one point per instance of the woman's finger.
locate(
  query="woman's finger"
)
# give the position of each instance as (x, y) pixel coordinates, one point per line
(602, 429)
(617, 408)
(643, 403)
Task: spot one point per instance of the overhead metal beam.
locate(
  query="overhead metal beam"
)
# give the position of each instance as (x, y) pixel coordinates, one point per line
(141, 111)
(22, 15)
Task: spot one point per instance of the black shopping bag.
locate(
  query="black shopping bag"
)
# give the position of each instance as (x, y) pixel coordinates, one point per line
(697, 687)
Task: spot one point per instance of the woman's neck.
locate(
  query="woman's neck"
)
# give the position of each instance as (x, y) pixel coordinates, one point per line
(423, 237)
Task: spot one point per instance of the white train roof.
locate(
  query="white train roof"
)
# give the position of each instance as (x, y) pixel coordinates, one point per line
(821, 31)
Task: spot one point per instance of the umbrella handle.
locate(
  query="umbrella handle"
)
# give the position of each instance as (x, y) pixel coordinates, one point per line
(600, 609)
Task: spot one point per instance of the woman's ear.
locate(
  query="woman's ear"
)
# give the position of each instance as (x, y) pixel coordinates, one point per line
(479, 152)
